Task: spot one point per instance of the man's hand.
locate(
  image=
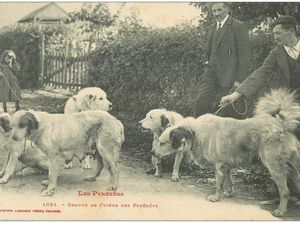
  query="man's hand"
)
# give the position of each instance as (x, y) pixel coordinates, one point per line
(228, 99)
(236, 84)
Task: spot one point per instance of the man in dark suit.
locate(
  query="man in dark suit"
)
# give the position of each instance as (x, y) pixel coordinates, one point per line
(280, 69)
(229, 55)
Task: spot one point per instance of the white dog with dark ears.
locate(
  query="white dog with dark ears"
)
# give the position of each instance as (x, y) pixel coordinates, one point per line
(73, 135)
(87, 99)
(156, 121)
(225, 143)
(34, 160)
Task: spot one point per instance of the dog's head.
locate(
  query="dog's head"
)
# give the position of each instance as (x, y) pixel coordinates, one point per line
(175, 139)
(23, 124)
(157, 120)
(93, 98)
(5, 126)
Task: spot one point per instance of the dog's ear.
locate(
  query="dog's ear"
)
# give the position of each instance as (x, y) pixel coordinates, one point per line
(28, 120)
(164, 121)
(5, 124)
(179, 135)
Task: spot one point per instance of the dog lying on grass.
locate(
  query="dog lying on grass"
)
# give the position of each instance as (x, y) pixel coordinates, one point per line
(72, 135)
(156, 121)
(224, 143)
(87, 99)
(34, 160)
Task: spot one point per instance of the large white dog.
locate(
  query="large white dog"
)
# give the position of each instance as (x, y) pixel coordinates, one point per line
(225, 143)
(87, 99)
(76, 133)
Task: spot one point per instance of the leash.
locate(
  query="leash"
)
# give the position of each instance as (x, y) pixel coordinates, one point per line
(21, 101)
(14, 93)
(234, 106)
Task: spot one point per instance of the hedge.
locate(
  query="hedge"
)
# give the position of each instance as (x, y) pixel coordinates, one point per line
(156, 68)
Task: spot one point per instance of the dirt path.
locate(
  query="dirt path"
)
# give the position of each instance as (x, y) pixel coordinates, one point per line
(145, 197)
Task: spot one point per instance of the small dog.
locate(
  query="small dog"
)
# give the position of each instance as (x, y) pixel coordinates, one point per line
(225, 143)
(72, 135)
(34, 159)
(87, 99)
(156, 121)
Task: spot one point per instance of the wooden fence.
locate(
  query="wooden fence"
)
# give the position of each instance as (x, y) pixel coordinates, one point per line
(65, 71)
(63, 68)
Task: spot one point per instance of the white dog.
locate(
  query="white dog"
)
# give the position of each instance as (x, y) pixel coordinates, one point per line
(34, 159)
(73, 134)
(87, 99)
(157, 120)
(225, 143)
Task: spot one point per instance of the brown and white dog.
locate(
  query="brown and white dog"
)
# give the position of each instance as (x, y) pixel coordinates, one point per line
(225, 143)
(87, 99)
(72, 135)
(156, 121)
(34, 160)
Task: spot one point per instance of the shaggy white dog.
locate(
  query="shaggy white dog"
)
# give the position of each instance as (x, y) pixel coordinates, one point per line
(224, 143)
(87, 99)
(74, 134)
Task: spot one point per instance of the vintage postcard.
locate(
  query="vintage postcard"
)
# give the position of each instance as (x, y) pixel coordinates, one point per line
(149, 111)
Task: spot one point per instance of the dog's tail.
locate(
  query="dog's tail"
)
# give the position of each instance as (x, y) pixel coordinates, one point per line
(282, 104)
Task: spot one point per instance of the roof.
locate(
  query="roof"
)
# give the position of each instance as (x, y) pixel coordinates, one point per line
(49, 12)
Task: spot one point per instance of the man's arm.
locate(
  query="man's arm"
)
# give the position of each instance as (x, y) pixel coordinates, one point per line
(258, 79)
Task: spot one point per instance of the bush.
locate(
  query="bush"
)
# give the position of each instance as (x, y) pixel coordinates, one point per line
(156, 68)
(25, 43)
(151, 69)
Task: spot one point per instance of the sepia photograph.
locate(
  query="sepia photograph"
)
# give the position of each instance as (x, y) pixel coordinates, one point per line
(149, 111)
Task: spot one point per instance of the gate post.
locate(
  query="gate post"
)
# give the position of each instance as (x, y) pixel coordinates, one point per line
(42, 60)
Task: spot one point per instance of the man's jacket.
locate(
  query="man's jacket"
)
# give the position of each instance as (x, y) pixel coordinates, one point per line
(274, 73)
(233, 52)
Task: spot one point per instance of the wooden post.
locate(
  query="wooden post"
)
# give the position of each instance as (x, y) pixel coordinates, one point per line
(42, 60)
(67, 58)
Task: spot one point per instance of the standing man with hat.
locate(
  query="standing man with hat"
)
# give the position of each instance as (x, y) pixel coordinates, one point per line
(229, 55)
(281, 69)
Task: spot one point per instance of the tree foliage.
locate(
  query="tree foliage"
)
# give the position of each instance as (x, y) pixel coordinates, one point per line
(253, 13)
(95, 17)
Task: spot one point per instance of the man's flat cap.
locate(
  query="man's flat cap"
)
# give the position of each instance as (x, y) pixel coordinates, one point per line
(284, 20)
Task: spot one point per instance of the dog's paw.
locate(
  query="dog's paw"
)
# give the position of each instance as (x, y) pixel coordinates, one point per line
(45, 182)
(214, 198)
(68, 165)
(278, 213)
(86, 166)
(175, 177)
(90, 178)
(47, 192)
(158, 175)
(111, 188)
(19, 173)
(3, 181)
(228, 194)
(151, 171)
